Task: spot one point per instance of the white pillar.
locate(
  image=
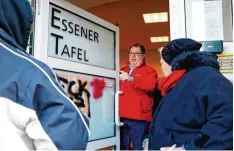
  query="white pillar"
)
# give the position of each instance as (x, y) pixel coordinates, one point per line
(177, 19)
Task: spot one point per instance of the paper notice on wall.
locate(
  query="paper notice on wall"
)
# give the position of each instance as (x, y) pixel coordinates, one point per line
(213, 20)
(207, 23)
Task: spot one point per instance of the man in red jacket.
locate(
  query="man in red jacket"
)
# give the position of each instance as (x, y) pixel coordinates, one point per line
(137, 80)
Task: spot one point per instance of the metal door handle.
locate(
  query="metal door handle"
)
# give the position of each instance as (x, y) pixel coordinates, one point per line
(117, 121)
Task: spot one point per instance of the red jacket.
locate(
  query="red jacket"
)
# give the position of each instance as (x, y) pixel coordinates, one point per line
(135, 103)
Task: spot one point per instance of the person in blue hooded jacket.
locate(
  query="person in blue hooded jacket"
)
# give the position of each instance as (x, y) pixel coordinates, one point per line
(196, 111)
(35, 113)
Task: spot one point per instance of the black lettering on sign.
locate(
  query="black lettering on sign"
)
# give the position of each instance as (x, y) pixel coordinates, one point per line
(84, 32)
(64, 21)
(53, 17)
(96, 37)
(91, 35)
(72, 51)
(57, 37)
(66, 51)
(77, 29)
(70, 25)
(79, 54)
(80, 96)
(85, 59)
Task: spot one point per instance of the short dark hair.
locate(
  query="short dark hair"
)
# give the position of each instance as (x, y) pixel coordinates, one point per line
(142, 48)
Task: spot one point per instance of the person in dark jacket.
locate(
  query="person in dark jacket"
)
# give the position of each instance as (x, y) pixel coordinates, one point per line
(35, 113)
(196, 111)
(136, 81)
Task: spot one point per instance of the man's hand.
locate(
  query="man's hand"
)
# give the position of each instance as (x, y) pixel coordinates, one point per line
(124, 76)
(146, 146)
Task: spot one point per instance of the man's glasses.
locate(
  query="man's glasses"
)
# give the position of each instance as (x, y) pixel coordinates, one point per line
(135, 54)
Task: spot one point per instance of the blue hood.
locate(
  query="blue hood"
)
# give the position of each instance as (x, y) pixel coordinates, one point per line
(15, 22)
(191, 59)
(183, 53)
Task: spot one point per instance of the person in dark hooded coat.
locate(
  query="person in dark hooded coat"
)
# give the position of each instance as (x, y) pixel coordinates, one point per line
(35, 113)
(196, 111)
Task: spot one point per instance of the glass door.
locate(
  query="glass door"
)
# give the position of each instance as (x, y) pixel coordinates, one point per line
(84, 52)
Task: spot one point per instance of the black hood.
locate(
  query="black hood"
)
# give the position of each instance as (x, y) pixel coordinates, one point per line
(15, 22)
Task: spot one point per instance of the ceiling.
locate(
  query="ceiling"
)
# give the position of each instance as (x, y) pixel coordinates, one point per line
(128, 15)
(85, 4)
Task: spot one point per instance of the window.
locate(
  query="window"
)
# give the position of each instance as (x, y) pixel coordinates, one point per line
(208, 20)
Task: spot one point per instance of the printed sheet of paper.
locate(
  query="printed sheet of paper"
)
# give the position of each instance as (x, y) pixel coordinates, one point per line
(207, 22)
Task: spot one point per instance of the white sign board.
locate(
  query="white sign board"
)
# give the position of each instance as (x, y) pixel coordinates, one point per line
(213, 20)
(207, 21)
(75, 38)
